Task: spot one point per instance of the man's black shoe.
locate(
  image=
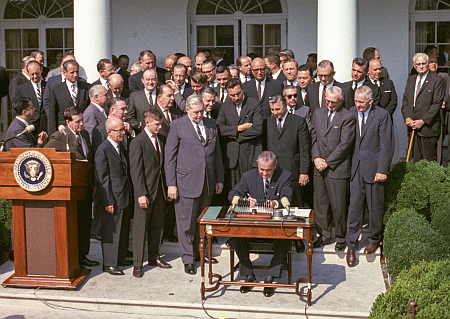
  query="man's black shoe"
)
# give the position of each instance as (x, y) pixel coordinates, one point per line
(214, 240)
(249, 278)
(340, 246)
(113, 271)
(268, 291)
(89, 263)
(190, 269)
(319, 242)
(299, 246)
(213, 260)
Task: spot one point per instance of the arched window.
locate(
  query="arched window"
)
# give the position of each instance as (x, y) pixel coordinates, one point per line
(31, 9)
(432, 5)
(233, 6)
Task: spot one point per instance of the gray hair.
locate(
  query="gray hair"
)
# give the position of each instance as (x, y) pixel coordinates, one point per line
(336, 90)
(208, 90)
(193, 100)
(267, 157)
(233, 67)
(277, 99)
(110, 123)
(418, 55)
(113, 76)
(325, 63)
(363, 89)
(137, 66)
(27, 60)
(95, 90)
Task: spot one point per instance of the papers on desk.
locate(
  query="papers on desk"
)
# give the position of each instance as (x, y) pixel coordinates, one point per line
(299, 212)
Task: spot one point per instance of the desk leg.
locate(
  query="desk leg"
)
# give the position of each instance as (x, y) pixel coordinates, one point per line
(309, 253)
(202, 261)
(210, 272)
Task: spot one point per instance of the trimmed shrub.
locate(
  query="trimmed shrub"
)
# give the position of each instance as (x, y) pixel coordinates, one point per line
(409, 239)
(440, 221)
(5, 224)
(427, 283)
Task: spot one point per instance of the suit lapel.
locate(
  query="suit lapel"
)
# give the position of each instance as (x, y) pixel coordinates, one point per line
(368, 121)
(425, 83)
(286, 124)
(336, 118)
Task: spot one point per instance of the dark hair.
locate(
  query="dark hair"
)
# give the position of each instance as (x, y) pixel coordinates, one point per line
(306, 67)
(101, 64)
(288, 53)
(71, 62)
(153, 114)
(35, 53)
(273, 58)
(369, 53)
(179, 55)
(239, 60)
(199, 77)
(180, 66)
(146, 52)
(124, 56)
(313, 56)
(112, 102)
(212, 62)
(21, 105)
(222, 69)
(429, 49)
(233, 83)
(70, 111)
(207, 89)
(160, 89)
(114, 59)
(361, 62)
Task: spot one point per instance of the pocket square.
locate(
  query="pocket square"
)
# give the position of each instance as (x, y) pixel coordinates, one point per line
(388, 91)
(335, 126)
(429, 90)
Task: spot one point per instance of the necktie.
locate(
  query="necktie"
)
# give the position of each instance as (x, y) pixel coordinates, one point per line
(80, 145)
(362, 123)
(419, 84)
(329, 118)
(167, 116)
(259, 91)
(279, 126)
(150, 99)
(157, 147)
(38, 91)
(377, 83)
(238, 110)
(266, 187)
(200, 135)
(304, 98)
(222, 99)
(323, 96)
(78, 137)
(73, 93)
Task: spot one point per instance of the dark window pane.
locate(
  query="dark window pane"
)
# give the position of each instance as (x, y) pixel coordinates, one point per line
(225, 35)
(68, 38)
(54, 38)
(30, 38)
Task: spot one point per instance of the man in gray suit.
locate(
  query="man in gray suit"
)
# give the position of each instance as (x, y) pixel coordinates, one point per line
(371, 158)
(95, 114)
(333, 136)
(194, 172)
(141, 100)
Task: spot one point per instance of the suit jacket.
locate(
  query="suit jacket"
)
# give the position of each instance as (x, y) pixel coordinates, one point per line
(165, 127)
(291, 146)
(60, 100)
(4, 82)
(147, 171)
(59, 142)
(246, 145)
(94, 120)
(15, 82)
(374, 146)
(312, 91)
(281, 77)
(40, 118)
(188, 163)
(124, 95)
(135, 82)
(333, 142)
(273, 87)
(215, 111)
(125, 75)
(350, 94)
(114, 187)
(428, 103)
(97, 82)
(24, 141)
(51, 82)
(137, 105)
(387, 95)
(304, 112)
(180, 99)
(252, 183)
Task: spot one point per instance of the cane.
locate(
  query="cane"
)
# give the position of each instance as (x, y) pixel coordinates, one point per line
(410, 145)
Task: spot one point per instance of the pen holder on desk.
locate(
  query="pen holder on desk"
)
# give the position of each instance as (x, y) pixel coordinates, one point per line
(277, 214)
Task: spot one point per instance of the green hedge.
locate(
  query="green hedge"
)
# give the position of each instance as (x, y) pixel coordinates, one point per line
(5, 224)
(440, 221)
(409, 239)
(422, 186)
(427, 283)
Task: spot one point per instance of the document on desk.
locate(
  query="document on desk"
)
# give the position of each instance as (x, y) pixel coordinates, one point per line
(299, 212)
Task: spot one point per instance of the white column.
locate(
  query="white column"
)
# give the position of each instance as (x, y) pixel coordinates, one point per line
(336, 35)
(92, 34)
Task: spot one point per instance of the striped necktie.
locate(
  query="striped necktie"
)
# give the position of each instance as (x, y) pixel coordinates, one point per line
(73, 93)
(38, 94)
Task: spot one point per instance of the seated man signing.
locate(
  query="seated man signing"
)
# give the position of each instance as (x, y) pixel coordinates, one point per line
(269, 183)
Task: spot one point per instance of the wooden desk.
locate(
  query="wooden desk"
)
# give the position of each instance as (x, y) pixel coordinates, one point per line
(213, 223)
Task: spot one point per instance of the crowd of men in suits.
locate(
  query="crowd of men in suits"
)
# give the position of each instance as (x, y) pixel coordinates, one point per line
(163, 144)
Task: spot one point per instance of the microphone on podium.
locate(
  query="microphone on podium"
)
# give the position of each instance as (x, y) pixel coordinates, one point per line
(234, 202)
(30, 128)
(62, 129)
(287, 205)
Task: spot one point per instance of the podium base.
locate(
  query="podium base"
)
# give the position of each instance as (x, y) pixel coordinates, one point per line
(47, 282)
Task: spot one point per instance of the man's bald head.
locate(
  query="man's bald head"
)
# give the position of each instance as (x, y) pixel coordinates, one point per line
(115, 82)
(259, 69)
(187, 62)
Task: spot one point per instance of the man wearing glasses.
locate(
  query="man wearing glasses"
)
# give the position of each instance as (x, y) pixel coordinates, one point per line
(332, 140)
(209, 68)
(105, 68)
(316, 91)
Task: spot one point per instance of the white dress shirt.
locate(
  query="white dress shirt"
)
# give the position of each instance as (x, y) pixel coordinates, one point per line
(321, 88)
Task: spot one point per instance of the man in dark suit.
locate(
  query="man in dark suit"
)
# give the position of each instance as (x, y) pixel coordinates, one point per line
(171, 61)
(40, 57)
(387, 96)
(311, 61)
(316, 91)
(112, 170)
(240, 122)
(72, 92)
(304, 78)
(373, 53)
(360, 67)
(333, 137)
(95, 114)
(24, 110)
(76, 140)
(290, 70)
(21, 77)
(421, 105)
(268, 183)
(261, 87)
(371, 160)
(209, 69)
(186, 61)
(105, 68)
(141, 100)
(4, 82)
(222, 76)
(147, 60)
(244, 64)
(272, 61)
(212, 106)
(180, 77)
(288, 138)
(198, 81)
(217, 56)
(34, 89)
(165, 105)
(149, 182)
(194, 172)
(116, 87)
(124, 62)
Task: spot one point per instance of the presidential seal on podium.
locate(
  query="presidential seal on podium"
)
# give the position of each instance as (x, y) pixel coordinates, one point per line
(33, 171)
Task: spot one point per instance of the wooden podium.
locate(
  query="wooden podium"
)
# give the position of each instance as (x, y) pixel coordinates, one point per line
(45, 222)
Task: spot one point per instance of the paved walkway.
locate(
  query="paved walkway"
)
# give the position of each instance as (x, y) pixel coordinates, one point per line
(338, 291)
